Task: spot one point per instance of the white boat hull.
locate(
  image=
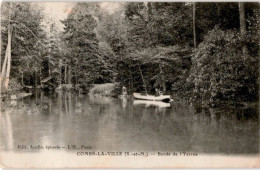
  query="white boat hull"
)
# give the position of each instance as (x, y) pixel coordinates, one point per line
(164, 98)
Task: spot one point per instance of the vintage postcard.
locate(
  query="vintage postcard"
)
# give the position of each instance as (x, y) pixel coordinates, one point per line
(129, 84)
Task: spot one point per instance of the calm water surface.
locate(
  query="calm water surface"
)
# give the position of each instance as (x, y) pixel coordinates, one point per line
(108, 124)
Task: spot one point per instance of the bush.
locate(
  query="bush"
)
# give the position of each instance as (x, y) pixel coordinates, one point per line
(102, 89)
(83, 88)
(14, 86)
(220, 70)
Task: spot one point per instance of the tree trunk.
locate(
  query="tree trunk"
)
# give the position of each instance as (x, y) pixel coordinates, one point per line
(49, 66)
(41, 96)
(149, 6)
(40, 77)
(131, 82)
(259, 27)
(22, 79)
(162, 78)
(36, 96)
(242, 19)
(60, 75)
(143, 79)
(36, 79)
(69, 75)
(0, 66)
(36, 74)
(6, 60)
(65, 74)
(6, 83)
(194, 25)
(60, 71)
(4, 66)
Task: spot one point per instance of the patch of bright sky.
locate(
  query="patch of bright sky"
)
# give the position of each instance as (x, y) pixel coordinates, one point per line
(57, 11)
(110, 7)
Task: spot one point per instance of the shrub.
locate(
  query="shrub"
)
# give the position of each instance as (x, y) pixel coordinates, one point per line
(14, 86)
(221, 72)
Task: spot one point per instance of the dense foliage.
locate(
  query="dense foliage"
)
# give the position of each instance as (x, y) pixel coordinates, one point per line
(204, 52)
(27, 33)
(87, 59)
(221, 71)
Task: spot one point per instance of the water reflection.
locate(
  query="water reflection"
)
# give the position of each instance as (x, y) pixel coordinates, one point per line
(147, 103)
(109, 124)
(8, 135)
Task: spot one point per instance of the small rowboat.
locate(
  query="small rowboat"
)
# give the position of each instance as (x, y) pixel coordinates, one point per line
(164, 98)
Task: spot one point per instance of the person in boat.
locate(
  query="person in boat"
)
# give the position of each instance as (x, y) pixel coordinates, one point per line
(157, 92)
(124, 91)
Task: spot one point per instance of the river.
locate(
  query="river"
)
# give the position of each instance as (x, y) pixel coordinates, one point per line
(109, 124)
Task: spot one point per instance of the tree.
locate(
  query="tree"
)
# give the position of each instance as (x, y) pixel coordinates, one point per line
(242, 19)
(26, 34)
(7, 62)
(194, 24)
(86, 59)
(220, 72)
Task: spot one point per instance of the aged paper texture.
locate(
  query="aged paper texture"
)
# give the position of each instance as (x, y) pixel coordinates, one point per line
(129, 84)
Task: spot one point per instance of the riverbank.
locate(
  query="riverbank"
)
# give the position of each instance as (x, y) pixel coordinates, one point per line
(114, 90)
(106, 89)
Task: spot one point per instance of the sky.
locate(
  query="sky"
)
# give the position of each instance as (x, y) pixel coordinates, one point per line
(55, 11)
(59, 10)
(110, 7)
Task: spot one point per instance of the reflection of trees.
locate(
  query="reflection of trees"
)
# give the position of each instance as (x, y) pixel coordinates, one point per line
(7, 131)
(153, 115)
(65, 104)
(104, 123)
(45, 104)
(69, 103)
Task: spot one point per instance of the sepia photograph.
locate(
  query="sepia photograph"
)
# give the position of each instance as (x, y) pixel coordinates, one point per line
(120, 84)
